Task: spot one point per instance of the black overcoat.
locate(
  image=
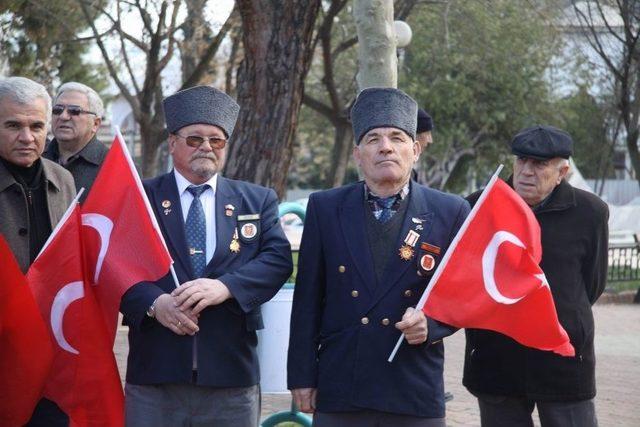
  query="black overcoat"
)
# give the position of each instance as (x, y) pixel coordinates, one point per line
(574, 259)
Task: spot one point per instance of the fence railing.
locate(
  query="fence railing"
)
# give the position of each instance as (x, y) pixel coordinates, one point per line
(624, 263)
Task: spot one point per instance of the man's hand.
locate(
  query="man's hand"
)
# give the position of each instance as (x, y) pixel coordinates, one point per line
(305, 399)
(200, 293)
(414, 326)
(170, 316)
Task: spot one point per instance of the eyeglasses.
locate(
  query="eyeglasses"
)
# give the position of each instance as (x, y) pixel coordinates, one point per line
(196, 141)
(73, 110)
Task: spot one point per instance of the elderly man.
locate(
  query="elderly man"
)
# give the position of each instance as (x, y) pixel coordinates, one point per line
(368, 251)
(424, 129)
(34, 192)
(508, 378)
(424, 139)
(192, 357)
(77, 115)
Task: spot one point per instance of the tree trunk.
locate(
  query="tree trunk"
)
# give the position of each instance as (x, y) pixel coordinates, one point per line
(150, 141)
(634, 155)
(340, 154)
(197, 38)
(277, 54)
(378, 63)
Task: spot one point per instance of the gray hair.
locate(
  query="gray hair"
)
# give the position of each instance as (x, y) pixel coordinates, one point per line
(24, 91)
(95, 103)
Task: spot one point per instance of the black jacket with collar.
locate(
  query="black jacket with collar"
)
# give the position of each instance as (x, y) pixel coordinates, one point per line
(84, 165)
(574, 259)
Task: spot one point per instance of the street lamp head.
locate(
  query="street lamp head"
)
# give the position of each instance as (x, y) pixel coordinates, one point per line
(403, 34)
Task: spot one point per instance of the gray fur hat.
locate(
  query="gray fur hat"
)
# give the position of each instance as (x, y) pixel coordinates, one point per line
(200, 105)
(378, 107)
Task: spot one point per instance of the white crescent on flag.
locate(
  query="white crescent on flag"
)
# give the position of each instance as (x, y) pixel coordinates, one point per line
(103, 226)
(489, 264)
(65, 296)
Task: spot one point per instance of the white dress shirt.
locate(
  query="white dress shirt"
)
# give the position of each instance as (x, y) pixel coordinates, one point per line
(208, 200)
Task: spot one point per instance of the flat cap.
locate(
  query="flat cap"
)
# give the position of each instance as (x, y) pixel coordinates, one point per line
(542, 142)
(378, 107)
(200, 105)
(425, 122)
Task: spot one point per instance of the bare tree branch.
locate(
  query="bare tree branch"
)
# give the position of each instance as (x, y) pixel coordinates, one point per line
(212, 49)
(132, 100)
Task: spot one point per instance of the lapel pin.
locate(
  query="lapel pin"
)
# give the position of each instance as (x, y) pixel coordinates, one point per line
(234, 246)
(428, 247)
(406, 250)
(228, 210)
(416, 220)
(427, 262)
(166, 204)
(412, 238)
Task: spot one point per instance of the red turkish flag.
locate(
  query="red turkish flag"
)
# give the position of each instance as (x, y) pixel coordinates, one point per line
(492, 279)
(25, 347)
(122, 242)
(84, 379)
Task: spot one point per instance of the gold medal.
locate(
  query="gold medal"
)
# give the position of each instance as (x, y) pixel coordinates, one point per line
(234, 246)
(406, 252)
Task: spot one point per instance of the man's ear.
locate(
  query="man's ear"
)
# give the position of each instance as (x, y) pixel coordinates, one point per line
(417, 149)
(564, 170)
(356, 155)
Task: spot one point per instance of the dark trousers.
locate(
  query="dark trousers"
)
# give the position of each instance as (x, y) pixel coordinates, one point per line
(48, 414)
(369, 418)
(499, 411)
(188, 405)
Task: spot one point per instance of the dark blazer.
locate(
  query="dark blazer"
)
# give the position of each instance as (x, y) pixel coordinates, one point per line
(227, 338)
(574, 259)
(342, 322)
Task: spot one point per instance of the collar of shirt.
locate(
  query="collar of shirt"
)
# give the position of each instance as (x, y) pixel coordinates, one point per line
(404, 192)
(92, 152)
(207, 198)
(183, 183)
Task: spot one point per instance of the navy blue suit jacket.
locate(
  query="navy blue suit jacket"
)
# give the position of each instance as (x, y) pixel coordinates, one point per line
(227, 338)
(332, 347)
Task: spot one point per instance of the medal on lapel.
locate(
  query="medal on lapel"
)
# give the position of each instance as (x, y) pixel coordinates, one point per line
(166, 204)
(234, 246)
(228, 210)
(427, 259)
(406, 250)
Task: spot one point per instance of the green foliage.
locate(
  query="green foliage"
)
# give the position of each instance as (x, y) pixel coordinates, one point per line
(480, 71)
(585, 119)
(40, 40)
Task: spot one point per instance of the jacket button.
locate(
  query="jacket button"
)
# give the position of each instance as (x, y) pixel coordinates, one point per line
(22, 231)
(342, 269)
(354, 293)
(364, 320)
(385, 321)
(408, 293)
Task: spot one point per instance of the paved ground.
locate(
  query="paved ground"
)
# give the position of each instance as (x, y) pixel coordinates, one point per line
(617, 371)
